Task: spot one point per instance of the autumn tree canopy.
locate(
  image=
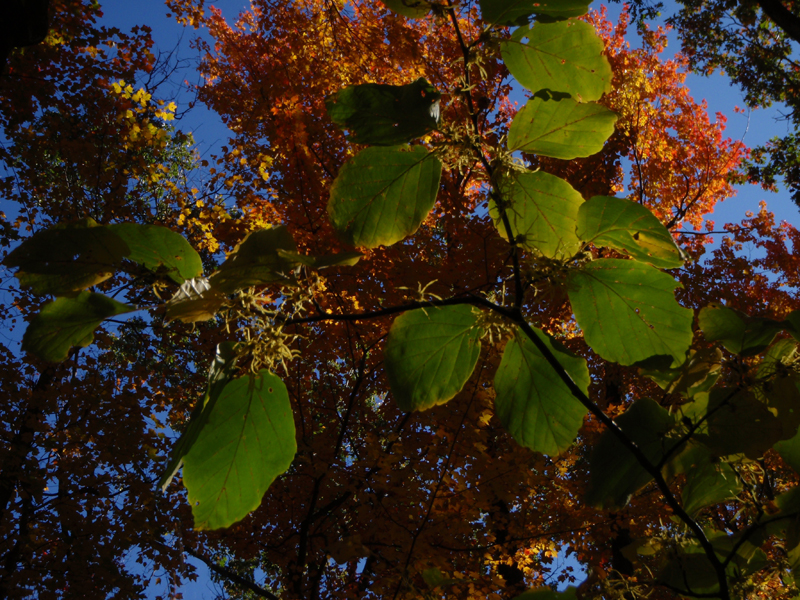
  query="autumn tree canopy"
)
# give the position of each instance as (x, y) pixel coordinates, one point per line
(404, 336)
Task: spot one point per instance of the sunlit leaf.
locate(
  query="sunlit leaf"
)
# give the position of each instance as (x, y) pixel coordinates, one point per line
(160, 250)
(615, 474)
(247, 440)
(383, 194)
(518, 12)
(413, 9)
(629, 226)
(566, 56)
(68, 258)
(542, 210)
(219, 375)
(430, 354)
(68, 322)
(532, 401)
(561, 128)
(386, 115)
(628, 311)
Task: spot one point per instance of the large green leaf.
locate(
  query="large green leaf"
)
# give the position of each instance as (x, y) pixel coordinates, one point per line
(430, 354)
(532, 401)
(247, 440)
(738, 332)
(561, 128)
(736, 422)
(68, 322)
(346, 259)
(256, 260)
(708, 485)
(517, 12)
(697, 374)
(566, 56)
(219, 375)
(386, 115)
(628, 311)
(161, 250)
(413, 9)
(625, 225)
(383, 194)
(615, 474)
(542, 210)
(68, 258)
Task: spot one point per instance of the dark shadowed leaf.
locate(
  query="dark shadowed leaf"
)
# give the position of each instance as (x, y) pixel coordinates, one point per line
(386, 115)
(738, 332)
(68, 258)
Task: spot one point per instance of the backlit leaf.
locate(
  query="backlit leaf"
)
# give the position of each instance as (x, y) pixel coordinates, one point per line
(161, 250)
(566, 56)
(413, 9)
(195, 301)
(68, 258)
(628, 311)
(430, 354)
(542, 210)
(382, 195)
(247, 440)
(561, 128)
(534, 405)
(68, 322)
(629, 226)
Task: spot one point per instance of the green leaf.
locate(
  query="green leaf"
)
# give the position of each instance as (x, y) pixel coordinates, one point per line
(695, 375)
(195, 301)
(625, 225)
(628, 311)
(256, 261)
(68, 322)
(68, 258)
(736, 422)
(708, 485)
(430, 354)
(219, 375)
(739, 333)
(542, 210)
(382, 195)
(386, 115)
(533, 404)
(615, 474)
(773, 364)
(566, 56)
(247, 440)
(561, 128)
(161, 250)
(413, 9)
(517, 12)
